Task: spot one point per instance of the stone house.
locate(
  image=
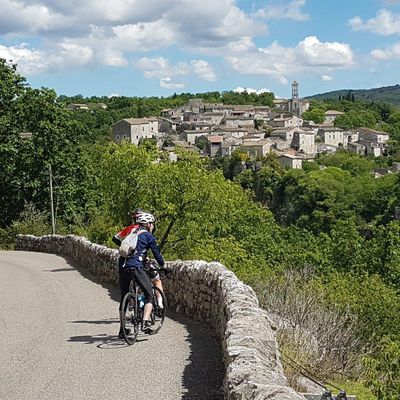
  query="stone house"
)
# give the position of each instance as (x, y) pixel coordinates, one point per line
(236, 122)
(356, 148)
(286, 122)
(291, 160)
(257, 149)
(78, 107)
(213, 146)
(167, 125)
(135, 129)
(196, 105)
(229, 145)
(283, 133)
(331, 135)
(375, 142)
(304, 142)
(350, 136)
(281, 104)
(167, 112)
(323, 148)
(231, 132)
(331, 115)
(190, 117)
(218, 108)
(203, 126)
(243, 111)
(190, 136)
(213, 118)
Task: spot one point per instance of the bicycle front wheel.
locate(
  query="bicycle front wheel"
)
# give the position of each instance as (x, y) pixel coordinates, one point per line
(130, 320)
(158, 313)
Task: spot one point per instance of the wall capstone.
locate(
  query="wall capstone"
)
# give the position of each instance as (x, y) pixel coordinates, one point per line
(207, 292)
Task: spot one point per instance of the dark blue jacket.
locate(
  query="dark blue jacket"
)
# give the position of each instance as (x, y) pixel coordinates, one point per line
(145, 242)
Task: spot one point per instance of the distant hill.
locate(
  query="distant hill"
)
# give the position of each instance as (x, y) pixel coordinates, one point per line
(387, 94)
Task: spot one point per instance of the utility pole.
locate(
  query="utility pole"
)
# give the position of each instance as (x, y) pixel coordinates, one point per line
(53, 222)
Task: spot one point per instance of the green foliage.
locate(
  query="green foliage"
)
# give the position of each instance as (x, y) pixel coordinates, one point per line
(30, 222)
(356, 119)
(383, 370)
(258, 219)
(119, 171)
(355, 388)
(382, 95)
(55, 140)
(316, 115)
(353, 163)
(384, 252)
(375, 303)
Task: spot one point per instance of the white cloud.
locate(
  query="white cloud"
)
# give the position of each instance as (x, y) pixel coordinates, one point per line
(291, 10)
(326, 78)
(113, 33)
(385, 23)
(240, 89)
(309, 55)
(167, 83)
(390, 53)
(29, 61)
(203, 70)
(159, 67)
(283, 80)
(87, 34)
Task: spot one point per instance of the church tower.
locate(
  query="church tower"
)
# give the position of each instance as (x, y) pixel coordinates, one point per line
(295, 103)
(295, 90)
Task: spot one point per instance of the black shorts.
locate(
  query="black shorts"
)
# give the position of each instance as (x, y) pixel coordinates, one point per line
(141, 279)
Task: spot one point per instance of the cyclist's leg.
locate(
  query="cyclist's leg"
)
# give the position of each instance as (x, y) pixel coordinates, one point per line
(157, 283)
(124, 281)
(143, 281)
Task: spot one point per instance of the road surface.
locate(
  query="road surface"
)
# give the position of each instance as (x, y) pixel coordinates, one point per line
(58, 340)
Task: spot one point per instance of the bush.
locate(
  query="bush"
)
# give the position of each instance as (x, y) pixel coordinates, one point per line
(321, 337)
(7, 239)
(30, 222)
(383, 370)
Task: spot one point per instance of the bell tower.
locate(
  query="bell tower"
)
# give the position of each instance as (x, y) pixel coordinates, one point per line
(295, 90)
(295, 105)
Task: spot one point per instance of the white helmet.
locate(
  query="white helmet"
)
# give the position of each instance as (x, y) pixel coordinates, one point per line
(145, 218)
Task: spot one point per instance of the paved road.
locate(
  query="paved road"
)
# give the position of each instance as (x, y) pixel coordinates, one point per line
(58, 341)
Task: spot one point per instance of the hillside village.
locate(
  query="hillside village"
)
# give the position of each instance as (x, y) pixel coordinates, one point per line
(216, 129)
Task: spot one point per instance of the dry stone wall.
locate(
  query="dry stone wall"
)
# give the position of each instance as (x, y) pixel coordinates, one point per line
(207, 292)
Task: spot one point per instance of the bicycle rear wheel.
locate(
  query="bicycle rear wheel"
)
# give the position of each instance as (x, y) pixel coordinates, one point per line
(158, 313)
(130, 319)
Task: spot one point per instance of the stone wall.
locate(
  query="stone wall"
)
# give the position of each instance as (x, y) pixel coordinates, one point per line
(207, 292)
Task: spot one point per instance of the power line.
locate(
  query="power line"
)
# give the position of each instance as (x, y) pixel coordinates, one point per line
(311, 376)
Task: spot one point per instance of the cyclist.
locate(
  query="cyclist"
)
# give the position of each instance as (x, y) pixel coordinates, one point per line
(145, 223)
(121, 235)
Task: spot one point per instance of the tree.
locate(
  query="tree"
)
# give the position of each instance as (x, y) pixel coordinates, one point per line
(316, 115)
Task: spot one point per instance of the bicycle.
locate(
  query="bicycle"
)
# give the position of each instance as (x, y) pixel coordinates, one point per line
(133, 307)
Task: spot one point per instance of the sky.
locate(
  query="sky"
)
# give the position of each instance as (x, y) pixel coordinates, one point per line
(159, 47)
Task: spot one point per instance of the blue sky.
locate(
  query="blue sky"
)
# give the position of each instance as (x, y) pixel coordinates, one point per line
(158, 47)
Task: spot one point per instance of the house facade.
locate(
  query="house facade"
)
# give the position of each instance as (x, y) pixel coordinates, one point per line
(134, 130)
(331, 115)
(332, 136)
(375, 142)
(257, 149)
(291, 161)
